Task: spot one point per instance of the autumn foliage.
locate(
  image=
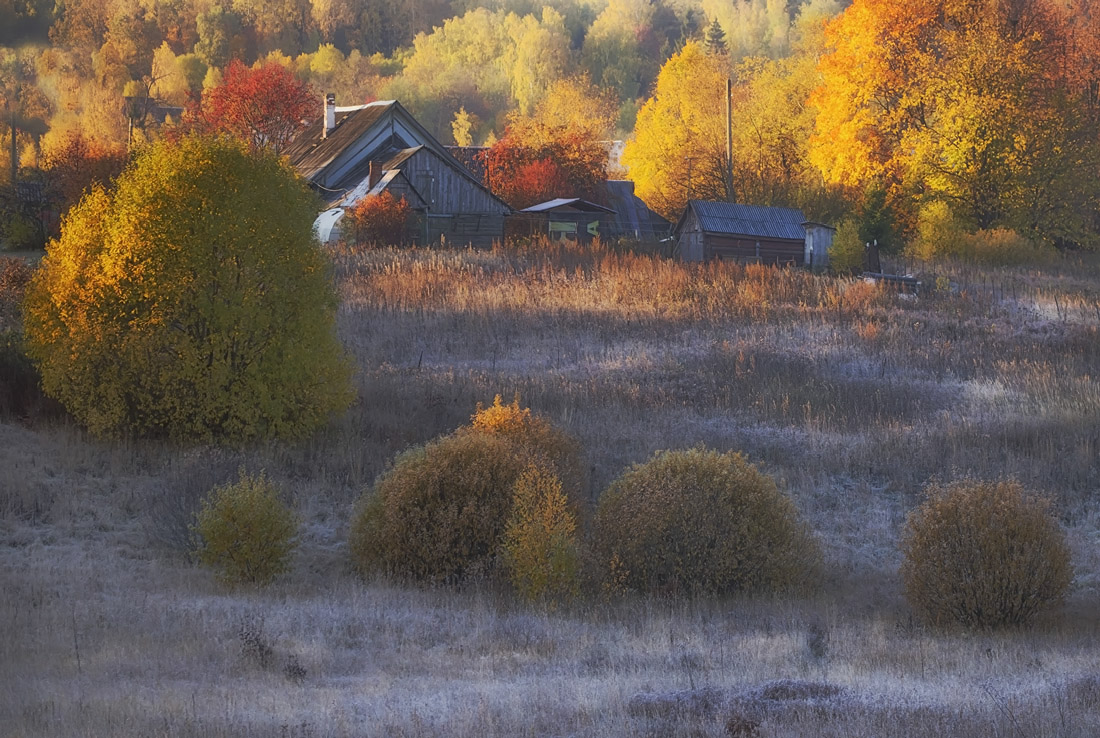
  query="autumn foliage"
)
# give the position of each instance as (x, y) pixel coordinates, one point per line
(266, 106)
(442, 511)
(540, 540)
(984, 554)
(380, 220)
(76, 163)
(191, 301)
(245, 532)
(532, 164)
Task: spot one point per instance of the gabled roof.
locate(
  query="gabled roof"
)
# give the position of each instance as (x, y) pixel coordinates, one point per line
(727, 218)
(568, 203)
(311, 151)
(315, 155)
(632, 217)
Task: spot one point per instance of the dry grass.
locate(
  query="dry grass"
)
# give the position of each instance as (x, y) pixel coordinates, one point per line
(856, 398)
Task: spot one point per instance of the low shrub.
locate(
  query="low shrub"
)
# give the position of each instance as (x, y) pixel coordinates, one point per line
(379, 220)
(700, 521)
(245, 532)
(940, 233)
(540, 546)
(983, 555)
(538, 439)
(846, 254)
(440, 512)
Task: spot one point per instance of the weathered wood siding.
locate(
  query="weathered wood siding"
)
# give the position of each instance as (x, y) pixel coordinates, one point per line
(480, 231)
(690, 243)
(746, 249)
(447, 189)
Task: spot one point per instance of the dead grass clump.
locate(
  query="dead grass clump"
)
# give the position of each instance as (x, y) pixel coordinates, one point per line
(984, 555)
(700, 521)
(701, 702)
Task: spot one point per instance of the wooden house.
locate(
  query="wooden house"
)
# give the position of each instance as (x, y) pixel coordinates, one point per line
(633, 219)
(355, 152)
(751, 234)
(563, 219)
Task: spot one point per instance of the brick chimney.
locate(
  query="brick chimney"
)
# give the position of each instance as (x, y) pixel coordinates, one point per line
(330, 114)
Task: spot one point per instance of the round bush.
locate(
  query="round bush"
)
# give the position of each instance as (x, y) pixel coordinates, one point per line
(440, 512)
(700, 521)
(983, 554)
(245, 532)
(191, 301)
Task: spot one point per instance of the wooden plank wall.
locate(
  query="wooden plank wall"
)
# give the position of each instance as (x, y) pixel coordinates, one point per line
(447, 190)
(744, 250)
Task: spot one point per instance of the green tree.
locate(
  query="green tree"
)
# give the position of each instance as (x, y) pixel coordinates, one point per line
(191, 302)
(716, 39)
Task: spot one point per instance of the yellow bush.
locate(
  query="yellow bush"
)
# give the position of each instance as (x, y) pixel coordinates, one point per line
(440, 512)
(245, 532)
(846, 253)
(536, 437)
(983, 554)
(540, 547)
(191, 301)
(699, 521)
(939, 233)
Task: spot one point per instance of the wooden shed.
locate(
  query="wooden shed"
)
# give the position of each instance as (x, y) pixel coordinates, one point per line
(710, 231)
(563, 219)
(365, 150)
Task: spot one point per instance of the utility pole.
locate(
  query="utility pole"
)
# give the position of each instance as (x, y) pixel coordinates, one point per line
(729, 139)
(14, 149)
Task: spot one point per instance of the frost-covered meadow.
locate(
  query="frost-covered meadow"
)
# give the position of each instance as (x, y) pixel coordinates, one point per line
(853, 397)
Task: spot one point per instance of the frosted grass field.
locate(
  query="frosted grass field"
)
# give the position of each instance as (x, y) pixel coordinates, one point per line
(852, 397)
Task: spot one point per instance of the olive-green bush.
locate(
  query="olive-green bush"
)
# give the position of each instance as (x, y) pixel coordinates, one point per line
(245, 532)
(700, 521)
(440, 511)
(983, 555)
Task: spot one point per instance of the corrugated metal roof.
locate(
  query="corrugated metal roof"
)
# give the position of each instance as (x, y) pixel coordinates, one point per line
(632, 218)
(749, 220)
(574, 202)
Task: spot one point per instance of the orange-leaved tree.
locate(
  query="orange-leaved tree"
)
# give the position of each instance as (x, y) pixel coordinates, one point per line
(555, 152)
(381, 220)
(265, 105)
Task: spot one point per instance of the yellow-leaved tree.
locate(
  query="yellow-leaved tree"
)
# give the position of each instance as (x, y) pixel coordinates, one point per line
(678, 151)
(191, 302)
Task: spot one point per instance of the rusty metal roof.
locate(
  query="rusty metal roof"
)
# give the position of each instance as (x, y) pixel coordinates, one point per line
(727, 218)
